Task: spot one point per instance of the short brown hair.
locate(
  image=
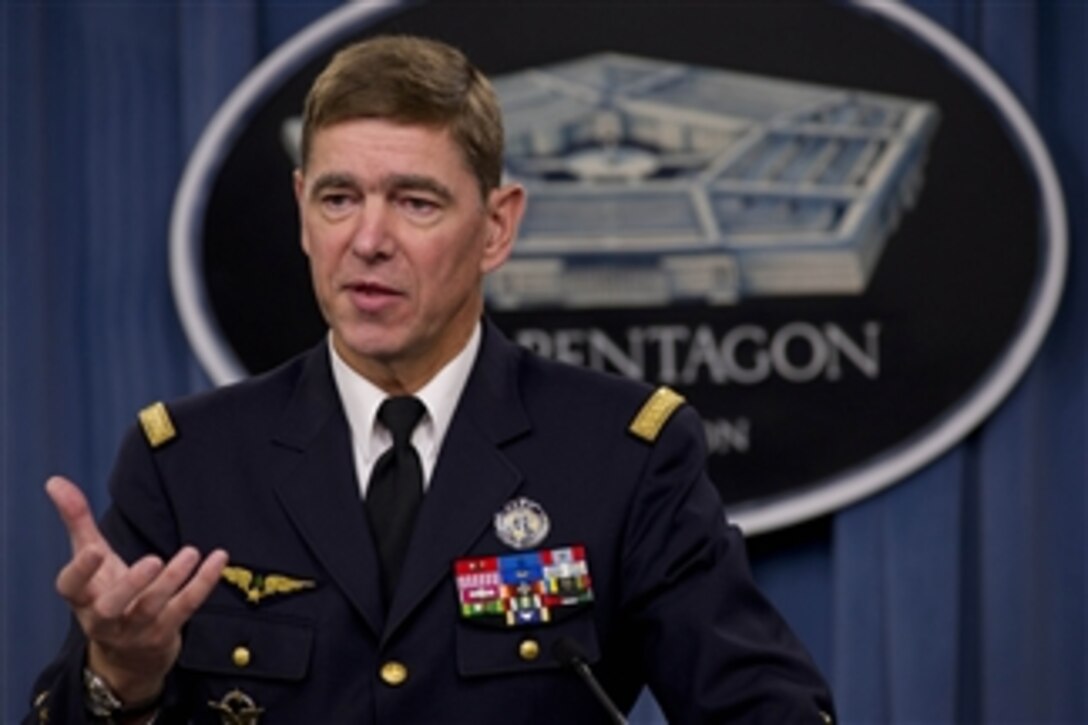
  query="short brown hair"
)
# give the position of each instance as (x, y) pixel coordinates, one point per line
(411, 80)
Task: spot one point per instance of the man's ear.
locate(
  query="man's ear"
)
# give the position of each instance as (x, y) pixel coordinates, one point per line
(300, 190)
(505, 207)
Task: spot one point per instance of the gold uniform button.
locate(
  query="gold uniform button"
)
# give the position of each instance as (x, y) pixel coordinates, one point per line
(241, 656)
(529, 650)
(394, 673)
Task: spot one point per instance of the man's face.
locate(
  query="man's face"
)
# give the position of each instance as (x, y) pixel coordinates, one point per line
(399, 239)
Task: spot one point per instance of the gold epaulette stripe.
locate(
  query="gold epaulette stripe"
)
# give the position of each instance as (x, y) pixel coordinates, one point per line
(655, 412)
(157, 425)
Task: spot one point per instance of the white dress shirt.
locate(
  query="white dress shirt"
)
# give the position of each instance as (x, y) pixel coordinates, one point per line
(361, 400)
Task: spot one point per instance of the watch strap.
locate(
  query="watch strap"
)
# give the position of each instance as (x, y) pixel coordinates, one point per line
(102, 702)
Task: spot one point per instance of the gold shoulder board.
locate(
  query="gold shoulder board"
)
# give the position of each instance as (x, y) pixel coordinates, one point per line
(157, 425)
(655, 412)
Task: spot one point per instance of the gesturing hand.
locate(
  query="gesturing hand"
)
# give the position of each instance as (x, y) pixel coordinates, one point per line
(132, 615)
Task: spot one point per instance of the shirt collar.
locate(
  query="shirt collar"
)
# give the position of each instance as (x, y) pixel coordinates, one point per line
(440, 395)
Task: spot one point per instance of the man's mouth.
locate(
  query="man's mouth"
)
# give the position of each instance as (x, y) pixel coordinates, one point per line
(370, 296)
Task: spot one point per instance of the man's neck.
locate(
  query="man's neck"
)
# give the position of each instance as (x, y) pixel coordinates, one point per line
(403, 377)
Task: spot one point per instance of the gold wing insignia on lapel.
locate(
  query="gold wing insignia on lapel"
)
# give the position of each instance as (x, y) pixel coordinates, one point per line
(280, 584)
(238, 576)
(256, 587)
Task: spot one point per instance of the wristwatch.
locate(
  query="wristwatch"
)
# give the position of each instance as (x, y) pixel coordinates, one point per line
(103, 703)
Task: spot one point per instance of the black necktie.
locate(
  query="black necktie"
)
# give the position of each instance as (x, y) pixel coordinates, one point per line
(396, 488)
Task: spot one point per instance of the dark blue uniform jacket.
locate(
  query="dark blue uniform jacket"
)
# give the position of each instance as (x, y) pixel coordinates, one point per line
(264, 469)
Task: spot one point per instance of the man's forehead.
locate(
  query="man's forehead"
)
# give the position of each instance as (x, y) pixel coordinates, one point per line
(367, 151)
(381, 134)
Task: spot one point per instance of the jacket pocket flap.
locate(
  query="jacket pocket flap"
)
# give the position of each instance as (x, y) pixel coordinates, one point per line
(247, 645)
(487, 651)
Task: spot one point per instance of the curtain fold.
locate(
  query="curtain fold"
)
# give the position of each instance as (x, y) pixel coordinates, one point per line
(957, 595)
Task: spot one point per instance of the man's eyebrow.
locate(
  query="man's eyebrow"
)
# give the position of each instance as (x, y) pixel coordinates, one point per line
(333, 180)
(418, 182)
(393, 182)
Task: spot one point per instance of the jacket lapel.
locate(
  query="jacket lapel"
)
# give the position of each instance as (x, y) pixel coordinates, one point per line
(473, 478)
(319, 491)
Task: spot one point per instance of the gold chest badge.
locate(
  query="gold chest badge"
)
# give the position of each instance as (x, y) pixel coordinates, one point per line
(257, 586)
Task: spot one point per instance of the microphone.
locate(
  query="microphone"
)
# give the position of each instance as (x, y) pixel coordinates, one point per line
(570, 654)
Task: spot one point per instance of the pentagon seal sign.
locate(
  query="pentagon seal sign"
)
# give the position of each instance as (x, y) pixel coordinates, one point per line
(780, 235)
(522, 523)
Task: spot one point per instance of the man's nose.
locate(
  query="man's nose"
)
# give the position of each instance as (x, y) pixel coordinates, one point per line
(373, 238)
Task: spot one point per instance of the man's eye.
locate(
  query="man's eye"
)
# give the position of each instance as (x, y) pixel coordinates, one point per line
(336, 205)
(419, 205)
(335, 200)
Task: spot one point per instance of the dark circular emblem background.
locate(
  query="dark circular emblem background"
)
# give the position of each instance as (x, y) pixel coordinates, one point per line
(962, 293)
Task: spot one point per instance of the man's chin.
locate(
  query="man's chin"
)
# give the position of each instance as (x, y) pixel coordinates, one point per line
(380, 349)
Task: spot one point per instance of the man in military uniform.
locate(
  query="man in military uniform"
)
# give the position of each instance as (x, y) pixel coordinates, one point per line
(425, 523)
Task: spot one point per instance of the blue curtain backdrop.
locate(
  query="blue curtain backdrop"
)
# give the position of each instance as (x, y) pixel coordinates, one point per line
(956, 596)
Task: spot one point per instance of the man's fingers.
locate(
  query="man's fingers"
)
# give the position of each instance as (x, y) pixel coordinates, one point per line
(168, 580)
(150, 601)
(114, 601)
(74, 511)
(181, 607)
(73, 581)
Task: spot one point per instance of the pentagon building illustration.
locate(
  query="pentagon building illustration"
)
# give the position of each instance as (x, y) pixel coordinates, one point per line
(655, 182)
